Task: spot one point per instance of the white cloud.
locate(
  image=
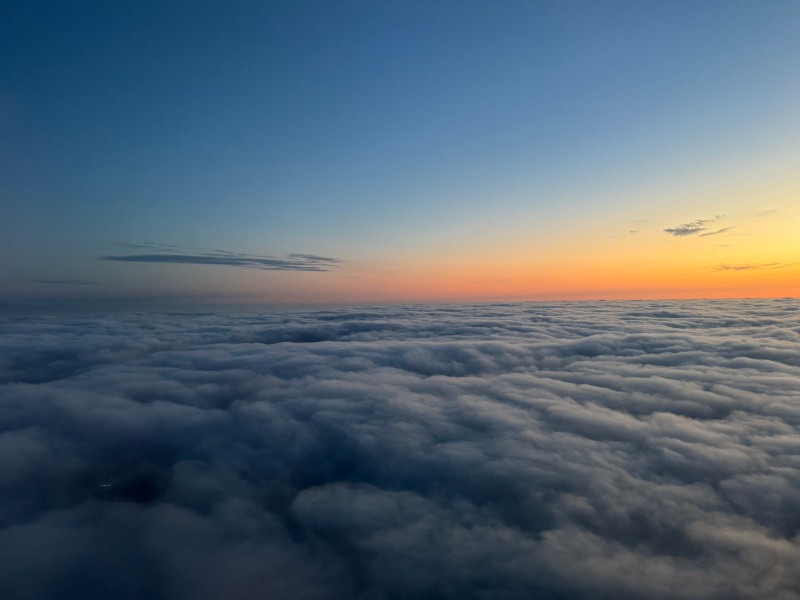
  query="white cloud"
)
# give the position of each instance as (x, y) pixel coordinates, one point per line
(566, 450)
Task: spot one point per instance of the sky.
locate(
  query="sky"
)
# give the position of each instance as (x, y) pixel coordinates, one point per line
(294, 153)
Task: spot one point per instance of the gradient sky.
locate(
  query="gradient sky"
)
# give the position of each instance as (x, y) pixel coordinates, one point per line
(374, 151)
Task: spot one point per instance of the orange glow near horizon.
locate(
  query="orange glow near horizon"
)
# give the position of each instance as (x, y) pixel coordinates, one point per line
(756, 256)
(590, 283)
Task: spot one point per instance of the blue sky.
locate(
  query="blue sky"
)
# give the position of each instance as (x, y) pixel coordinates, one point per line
(385, 134)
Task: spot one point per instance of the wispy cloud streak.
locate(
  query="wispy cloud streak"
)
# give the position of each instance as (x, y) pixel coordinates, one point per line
(64, 281)
(753, 267)
(173, 255)
(717, 232)
(694, 227)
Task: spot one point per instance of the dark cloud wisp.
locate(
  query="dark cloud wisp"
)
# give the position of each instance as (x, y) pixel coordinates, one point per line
(688, 228)
(753, 266)
(717, 232)
(292, 262)
(696, 227)
(64, 281)
(150, 246)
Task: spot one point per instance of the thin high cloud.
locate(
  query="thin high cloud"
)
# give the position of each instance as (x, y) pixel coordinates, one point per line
(694, 227)
(174, 255)
(150, 246)
(753, 266)
(514, 451)
(718, 231)
(64, 281)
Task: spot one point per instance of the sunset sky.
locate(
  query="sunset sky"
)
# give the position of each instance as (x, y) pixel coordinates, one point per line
(298, 153)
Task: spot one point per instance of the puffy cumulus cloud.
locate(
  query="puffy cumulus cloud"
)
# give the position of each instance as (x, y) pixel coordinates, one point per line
(549, 451)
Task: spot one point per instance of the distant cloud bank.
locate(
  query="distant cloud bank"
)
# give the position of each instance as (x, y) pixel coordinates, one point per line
(509, 451)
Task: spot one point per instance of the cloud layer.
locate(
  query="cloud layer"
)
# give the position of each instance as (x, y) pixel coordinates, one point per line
(553, 451)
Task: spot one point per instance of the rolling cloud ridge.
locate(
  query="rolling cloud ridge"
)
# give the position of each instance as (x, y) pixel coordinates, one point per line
(549, 451)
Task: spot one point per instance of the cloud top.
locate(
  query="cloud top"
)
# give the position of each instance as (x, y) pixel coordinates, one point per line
(553, 451)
